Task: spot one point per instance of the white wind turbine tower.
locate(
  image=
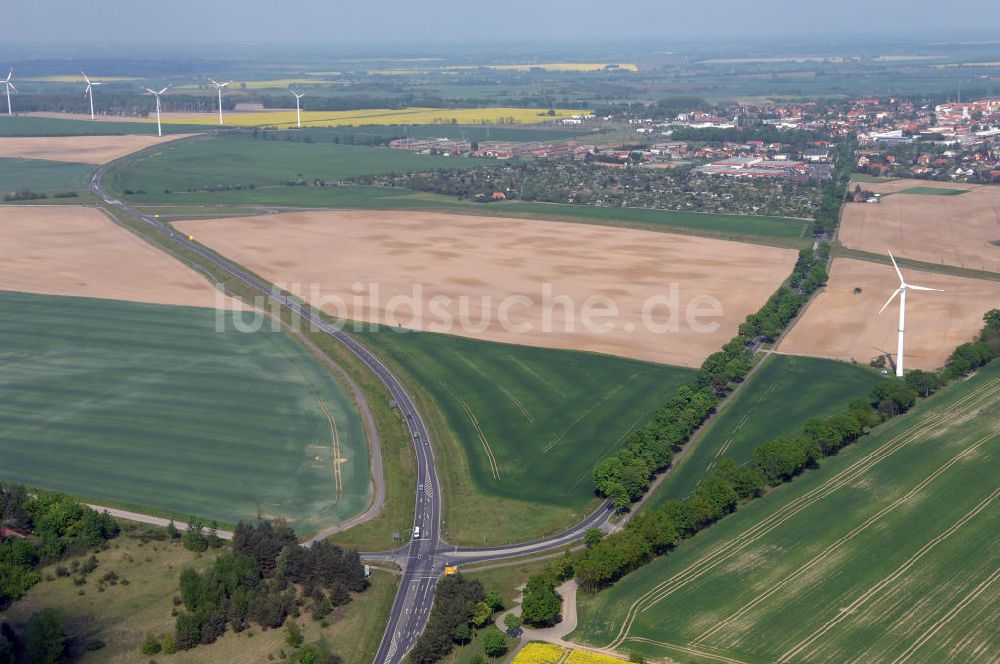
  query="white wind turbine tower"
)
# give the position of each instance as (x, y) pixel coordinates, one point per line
(298, 110)
(218, 88)
(159, 129)
(10, 86)
(901, 291)
(90, 92)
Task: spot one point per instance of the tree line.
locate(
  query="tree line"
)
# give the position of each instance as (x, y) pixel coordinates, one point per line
(624, 476)
(260, 580)
(122, 104)
(773, 462)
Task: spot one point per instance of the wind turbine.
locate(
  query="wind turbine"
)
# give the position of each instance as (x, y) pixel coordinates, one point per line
(90, 92)
(159, 129)
(901, 291)
(10, 86)
(298, 110)
(218, 88)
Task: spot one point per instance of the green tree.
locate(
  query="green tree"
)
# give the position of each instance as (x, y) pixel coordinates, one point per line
(462, 633)
(494, 642)
(194, 538)
(592, 537)
(294, 636)
(494, 600)
(172, 530)
(169, 644)
(512, 622)
(45, 640)
(151, 645)
(541, 605)
(481, 614)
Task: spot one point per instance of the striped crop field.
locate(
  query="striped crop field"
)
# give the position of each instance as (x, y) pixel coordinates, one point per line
(777, 400)
(522, 428)
(889, 552)
(148, 407)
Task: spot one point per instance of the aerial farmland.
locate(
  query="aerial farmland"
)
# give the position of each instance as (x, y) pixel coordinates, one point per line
(605, 336)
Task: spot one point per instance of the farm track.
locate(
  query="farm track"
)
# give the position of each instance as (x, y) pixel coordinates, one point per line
(687, 650)
(727, 550)
(827, 552)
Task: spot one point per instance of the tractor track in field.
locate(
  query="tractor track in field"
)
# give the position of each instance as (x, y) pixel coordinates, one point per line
(727, 550)
(483, 440)
(829, 550)
(932, 631)
(888, 580)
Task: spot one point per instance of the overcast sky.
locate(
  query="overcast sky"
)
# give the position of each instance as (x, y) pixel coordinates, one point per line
(450, 21)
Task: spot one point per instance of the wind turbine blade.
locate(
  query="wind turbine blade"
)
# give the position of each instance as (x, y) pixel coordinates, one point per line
(212, 80)
(912, 287)
(163, 90)
(85, 77)
(898, 273)
(225, 84)
(12, 86)
(891, 298)
(10, 73)
(149, 91)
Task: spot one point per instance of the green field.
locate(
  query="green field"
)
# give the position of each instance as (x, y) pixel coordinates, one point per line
(26, 125)
(239, 159)
(149, 406)
(44, 176)
(889, 551)
(521, 428)
(779, 397)
(932, 191)
(232, 160)
(770, 230)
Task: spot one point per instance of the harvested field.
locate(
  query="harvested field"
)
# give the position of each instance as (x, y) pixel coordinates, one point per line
(517, 264)
(68, 250)
(952, 230)
(78, 149)
(843, 325)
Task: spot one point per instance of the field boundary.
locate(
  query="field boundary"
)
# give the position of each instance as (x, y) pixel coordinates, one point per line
(719, 554)
(820, 557)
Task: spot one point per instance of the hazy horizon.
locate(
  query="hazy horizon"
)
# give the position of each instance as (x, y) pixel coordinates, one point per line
(111, 24)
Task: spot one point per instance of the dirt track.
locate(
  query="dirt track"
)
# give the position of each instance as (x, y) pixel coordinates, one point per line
(470, 257)
(953, 230)
(841, 325)
(66, 250)
(79, 149)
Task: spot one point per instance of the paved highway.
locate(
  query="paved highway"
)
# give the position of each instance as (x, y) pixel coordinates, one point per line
(423, 559)
(415, 596)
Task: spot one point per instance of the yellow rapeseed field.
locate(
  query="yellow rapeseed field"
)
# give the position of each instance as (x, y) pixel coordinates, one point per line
(539, 653)
(584, 657)
(379, 116)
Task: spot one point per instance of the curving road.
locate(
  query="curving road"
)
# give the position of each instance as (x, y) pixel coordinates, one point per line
(422, 560)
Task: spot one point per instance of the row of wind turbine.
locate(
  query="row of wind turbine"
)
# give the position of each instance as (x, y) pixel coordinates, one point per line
(89, 92)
